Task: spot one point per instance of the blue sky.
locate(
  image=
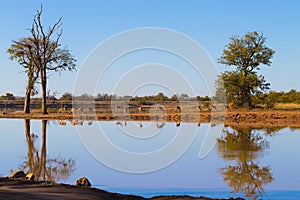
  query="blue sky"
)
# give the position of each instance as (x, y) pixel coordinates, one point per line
(210, 23)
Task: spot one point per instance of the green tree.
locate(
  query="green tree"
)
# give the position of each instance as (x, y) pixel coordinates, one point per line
(206, 98)
(85, 97)
(247, 53)
(23, 52)
(160, 97)
(240, 89)
(292, 96)
(183, 96)
(66, 97)
(7, 96)
(42, 53)
(174, 98)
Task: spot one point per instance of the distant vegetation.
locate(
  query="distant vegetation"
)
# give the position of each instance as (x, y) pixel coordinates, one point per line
(271, 100)
(7, 96)
(109, 97)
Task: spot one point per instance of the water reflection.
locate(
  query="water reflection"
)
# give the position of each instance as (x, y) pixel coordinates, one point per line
(37, 162)
(241, 160)
(244, 145)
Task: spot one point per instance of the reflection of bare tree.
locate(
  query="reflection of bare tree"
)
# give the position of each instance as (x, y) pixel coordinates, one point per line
(43, 168)
(243, 145)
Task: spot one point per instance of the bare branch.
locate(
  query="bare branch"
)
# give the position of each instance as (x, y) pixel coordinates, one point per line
(41, 53)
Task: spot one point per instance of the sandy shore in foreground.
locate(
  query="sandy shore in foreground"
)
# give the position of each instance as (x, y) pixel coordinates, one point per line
(24, 189)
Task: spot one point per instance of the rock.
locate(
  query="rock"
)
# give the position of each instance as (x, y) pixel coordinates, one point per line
(30, 176)
(17, 174)
(83, 182)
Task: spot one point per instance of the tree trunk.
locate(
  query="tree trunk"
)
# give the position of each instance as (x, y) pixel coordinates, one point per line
(30, 84)
(27, 101)
(44, 99)
(44, 91)
(43, 149)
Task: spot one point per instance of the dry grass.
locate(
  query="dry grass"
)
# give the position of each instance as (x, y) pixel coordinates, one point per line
(287, 106)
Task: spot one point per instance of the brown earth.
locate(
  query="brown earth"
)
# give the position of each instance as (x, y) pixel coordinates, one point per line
(237, 117)
(24, 189)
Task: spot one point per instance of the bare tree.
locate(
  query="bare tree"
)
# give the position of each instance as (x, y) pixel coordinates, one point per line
(49, 56)
(41, 53)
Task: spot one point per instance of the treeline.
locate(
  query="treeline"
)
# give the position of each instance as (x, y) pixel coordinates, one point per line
(268, 99)
(141, 99)
(271, 98)
(108, 97)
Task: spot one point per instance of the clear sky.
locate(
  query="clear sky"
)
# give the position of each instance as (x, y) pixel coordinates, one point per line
(210, 22)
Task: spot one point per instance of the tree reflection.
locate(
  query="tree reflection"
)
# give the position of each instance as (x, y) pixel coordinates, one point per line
(43, 168)
(244, 145)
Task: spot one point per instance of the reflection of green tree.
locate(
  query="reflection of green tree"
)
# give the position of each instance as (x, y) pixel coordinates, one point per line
(243, 145)
(43, 168)
(271, 130)
(295, 128)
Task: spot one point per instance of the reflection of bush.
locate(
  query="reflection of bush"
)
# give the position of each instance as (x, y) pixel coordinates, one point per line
(244, 145)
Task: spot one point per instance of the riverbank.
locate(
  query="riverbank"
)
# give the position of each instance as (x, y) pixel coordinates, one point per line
(25, 189)
(254, 118)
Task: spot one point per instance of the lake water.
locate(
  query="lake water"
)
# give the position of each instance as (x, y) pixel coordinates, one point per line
(151, 159)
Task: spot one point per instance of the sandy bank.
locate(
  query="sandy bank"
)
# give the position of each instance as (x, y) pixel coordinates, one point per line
(254, 118)
(24, 189)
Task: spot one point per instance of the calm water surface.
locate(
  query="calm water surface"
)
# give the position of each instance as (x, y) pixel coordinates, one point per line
(256, 163)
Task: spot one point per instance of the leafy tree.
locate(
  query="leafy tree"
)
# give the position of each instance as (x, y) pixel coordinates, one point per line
(23, 52)
(66, 97)
(85, 97)
(183, 96)
(292, 95)
(206, 98)
(239, 89)
(7, 96)
(160, 97)
(246, 53)
(174, 98)
(41, 53)
(106, 97)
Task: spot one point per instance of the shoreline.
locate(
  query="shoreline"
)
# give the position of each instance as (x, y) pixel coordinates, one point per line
(256, 118)
(26, 189)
